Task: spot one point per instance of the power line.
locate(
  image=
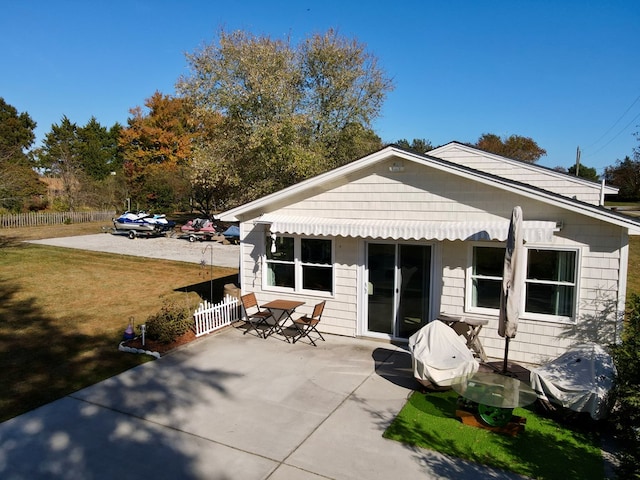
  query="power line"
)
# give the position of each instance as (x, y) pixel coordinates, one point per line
(615, 123)
(616, 135)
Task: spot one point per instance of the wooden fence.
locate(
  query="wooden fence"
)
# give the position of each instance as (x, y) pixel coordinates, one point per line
(209, 317)
(34, 219)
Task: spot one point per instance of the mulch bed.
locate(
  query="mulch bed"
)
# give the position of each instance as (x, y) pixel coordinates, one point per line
(161, 348)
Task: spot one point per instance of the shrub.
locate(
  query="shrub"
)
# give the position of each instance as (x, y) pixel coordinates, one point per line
(172, 321)
(626, 414)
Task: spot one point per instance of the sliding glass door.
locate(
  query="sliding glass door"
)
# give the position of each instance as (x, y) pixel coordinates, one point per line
(398, 288)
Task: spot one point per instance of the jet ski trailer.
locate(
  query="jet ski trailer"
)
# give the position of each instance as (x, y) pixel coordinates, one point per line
(142, 225)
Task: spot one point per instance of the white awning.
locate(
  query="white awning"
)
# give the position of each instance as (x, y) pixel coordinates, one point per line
(534, 231)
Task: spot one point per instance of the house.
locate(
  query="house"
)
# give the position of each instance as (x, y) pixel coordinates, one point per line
(395, 238)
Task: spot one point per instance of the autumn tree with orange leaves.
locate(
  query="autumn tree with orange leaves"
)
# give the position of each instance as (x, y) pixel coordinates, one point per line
(157, 146)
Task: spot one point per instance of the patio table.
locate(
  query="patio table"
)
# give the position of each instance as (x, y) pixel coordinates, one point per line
(281, 310)
(496, 395)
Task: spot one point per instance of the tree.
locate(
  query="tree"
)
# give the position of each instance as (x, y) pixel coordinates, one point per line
(16, 133)
(418, 145)
(98, 149)
(588, 173)
(213, 181)
(19, 183)
(156, 146)
(86, 159)
(288, 112)
(626, 414)
(60, 157)
(354, 141)
(514, 146)
(625, 175)
(343, 86)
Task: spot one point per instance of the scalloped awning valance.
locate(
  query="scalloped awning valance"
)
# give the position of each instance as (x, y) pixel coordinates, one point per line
(534, 230)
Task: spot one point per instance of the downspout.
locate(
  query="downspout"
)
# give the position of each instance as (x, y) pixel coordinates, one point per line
(622, 285)
(602, 193)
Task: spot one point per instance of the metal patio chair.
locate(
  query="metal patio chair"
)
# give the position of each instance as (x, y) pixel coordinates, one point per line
(255, 316)
(306, 325)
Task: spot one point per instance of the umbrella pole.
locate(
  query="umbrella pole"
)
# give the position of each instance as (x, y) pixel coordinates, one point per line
(506, 354)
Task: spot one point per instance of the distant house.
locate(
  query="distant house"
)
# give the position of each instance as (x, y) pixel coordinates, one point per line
(55, 187)
(395, 238)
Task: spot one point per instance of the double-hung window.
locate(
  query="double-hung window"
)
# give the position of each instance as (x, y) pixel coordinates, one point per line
(551, 282)
(486, 277)
(299, 264)
(549, 289)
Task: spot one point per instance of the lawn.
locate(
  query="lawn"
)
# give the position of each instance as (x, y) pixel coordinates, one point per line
(63, 312)
(633, 277)
(545, 450)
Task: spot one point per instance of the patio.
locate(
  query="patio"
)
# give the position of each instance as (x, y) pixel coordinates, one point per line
(234, 406)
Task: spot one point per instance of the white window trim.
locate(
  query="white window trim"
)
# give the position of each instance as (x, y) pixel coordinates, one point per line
(576, 303)
(297, 267)
(468, 301)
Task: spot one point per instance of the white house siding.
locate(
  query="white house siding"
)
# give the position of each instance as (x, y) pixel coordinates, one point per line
(598, 303)
(340, 314)
(422, 193)
(521, 172)
(418, 193)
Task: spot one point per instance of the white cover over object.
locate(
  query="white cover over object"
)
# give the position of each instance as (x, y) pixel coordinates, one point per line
(439, 355)
(579, 380)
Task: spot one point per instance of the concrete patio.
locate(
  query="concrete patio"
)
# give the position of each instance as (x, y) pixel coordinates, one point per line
(234, 406)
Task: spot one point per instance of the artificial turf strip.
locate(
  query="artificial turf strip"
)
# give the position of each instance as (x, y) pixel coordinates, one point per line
(545, 450)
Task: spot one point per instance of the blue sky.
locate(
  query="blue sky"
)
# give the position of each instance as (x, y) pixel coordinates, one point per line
(565, 73)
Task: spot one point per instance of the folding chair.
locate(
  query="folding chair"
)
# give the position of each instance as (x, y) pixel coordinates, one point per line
(469, 329)
(255, 316)
(307, 324)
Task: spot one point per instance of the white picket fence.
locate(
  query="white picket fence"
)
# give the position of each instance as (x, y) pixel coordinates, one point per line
(210, 317)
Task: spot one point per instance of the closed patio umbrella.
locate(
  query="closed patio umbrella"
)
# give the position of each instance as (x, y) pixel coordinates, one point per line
(511, 293)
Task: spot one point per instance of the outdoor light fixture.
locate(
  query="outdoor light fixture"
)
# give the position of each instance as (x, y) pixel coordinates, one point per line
(397, 167)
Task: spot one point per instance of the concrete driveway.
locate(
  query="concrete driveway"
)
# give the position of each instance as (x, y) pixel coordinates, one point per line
(234, 406)
(166, 248)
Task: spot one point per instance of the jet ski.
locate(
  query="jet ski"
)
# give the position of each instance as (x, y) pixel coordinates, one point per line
(142, 223)
(200, 228)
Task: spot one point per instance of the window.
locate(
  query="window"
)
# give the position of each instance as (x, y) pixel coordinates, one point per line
(299, 263)
(486, 276)
(549, 286)
(551, 282)
(280, 262)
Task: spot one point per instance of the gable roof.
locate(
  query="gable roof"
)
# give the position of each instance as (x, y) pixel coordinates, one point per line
(324, 181)
(564, 177)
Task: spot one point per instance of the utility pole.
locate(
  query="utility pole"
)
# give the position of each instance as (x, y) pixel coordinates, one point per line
(578, 161)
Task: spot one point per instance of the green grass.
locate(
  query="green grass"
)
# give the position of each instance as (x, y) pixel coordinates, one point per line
(633, 277)
(63, 313)
(545, 450)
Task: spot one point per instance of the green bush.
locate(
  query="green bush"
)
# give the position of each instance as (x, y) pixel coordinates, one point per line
(172, 321)
(626, 414)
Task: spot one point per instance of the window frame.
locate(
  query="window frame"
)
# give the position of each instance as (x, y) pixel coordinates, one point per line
(298, 267)
(469, 284)
(471, 277)
(576, 286)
